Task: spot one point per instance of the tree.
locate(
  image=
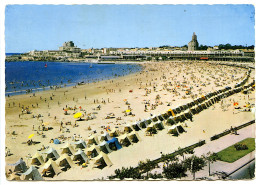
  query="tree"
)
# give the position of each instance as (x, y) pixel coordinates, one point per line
(164, 58)
(149, 58)
(210, 157)
(146, 166)
(174, 170)
(194, 164)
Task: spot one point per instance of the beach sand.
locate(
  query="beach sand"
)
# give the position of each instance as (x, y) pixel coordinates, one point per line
(169, 80)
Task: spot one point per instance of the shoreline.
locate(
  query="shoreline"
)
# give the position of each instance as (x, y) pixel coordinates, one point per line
(49, 88)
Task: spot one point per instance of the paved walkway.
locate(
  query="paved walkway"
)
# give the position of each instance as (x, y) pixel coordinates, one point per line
(216, 146)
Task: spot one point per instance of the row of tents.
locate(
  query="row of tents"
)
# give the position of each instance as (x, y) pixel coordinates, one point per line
(186, 111)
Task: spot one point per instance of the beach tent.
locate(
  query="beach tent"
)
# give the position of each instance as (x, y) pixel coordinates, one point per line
(177, 110)
(151, 128)
(114, 133)
(165, 116)
(207, 104)
(160, 117)
(67, 149)
(200, 107)
(194, 110)
(105, 137)
(93, 139)
(182, 117)
(204, 106)
(31, 174)
(102, 160)
(144, 123)
(136, 126)
(13, 177)
(80, 144)
(37, 159)
(19, 166)
(154, 118)
(196, 101)
(158, 125)
(114, 144)
(124, 140)
(170, 121)
(93, 151)
(51, 167)
(65, 161)
(52, 154)
(189, 105)
(180, 129)
(128, 129)
(134, 137)
(81, 156)
(104, 147)
(173, 130)
(188, 114)
(184, 107)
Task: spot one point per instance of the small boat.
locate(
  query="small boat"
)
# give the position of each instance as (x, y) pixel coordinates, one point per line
(45, 65)
(90, 66)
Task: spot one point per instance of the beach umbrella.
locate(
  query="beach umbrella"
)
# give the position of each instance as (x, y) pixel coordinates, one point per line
(30, 136)
(78, 115)
(128, 111)
(125, 99)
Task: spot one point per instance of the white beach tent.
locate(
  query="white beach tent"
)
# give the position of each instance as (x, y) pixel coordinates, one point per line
(80, 156)
(37, 159)
(104, 147)
(114, 132)
(51, 166)
(19, 166)
(52, 153)
(80, 144)
(158, 125)
(93, 151)
(93, 139)
(105, 137)
(67, 149)
(65, 160)
(124, 140)
(134, 137)
(173, 130)
(101, 159)
(31, 174)
(128, 129)
(136, 126)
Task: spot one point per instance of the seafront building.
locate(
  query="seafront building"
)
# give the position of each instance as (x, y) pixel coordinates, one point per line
(69, 52)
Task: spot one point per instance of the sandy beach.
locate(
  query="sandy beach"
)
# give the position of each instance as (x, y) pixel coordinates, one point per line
(105, 104)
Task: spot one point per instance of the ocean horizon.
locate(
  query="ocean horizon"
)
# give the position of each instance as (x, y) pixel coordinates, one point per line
(39, 75)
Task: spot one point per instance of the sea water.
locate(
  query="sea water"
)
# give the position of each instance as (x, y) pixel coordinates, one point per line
(38, 75)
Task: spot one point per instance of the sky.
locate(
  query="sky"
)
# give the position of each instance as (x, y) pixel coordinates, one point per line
(46, 27)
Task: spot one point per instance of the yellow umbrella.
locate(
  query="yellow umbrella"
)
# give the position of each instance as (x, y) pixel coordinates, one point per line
(30, 136)
(78, 115)
(128, 111)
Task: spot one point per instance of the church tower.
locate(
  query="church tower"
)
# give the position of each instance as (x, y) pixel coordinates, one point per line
(193, 44)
